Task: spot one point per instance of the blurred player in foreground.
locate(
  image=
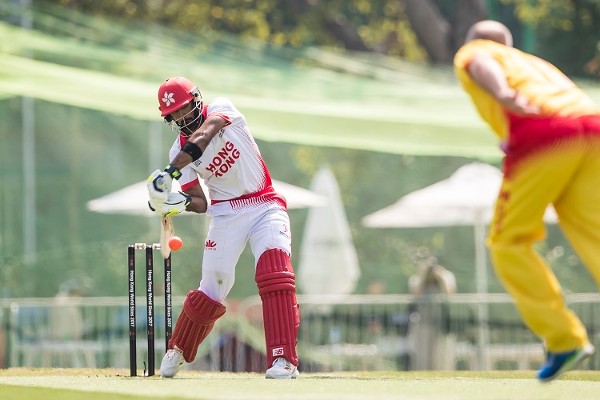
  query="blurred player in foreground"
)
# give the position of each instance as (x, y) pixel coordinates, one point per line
(215, 144)
(550, 132)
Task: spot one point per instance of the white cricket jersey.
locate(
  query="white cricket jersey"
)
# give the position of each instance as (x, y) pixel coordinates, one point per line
(231, 167)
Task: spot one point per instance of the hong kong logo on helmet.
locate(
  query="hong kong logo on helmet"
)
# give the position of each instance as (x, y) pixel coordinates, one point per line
(168, 99)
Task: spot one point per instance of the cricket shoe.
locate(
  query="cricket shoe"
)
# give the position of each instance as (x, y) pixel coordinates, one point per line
(171, 362)
(282, 369)
(558, 363)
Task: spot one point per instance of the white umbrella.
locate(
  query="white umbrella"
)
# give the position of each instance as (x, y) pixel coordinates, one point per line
(467, 197)
(133, 199)
(328, 260)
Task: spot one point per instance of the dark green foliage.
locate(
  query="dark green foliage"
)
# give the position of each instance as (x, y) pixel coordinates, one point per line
(564, 31)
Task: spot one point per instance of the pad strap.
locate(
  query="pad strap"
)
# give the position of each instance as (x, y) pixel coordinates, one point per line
(275, 279)
(195, 323)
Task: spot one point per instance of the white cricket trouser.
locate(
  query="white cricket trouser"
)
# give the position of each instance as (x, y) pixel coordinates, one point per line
(265, 226)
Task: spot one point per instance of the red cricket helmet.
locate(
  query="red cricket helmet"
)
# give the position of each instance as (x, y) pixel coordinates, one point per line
(175, 93)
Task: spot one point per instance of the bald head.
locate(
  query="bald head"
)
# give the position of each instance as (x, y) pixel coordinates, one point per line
(490, 30)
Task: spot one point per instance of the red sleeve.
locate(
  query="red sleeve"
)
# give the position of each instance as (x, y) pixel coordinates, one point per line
(188, 185)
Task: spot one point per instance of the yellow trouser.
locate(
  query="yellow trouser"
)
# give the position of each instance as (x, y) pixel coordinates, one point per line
(568, 176)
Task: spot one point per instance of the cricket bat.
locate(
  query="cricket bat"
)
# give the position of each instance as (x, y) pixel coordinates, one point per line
(166, 232)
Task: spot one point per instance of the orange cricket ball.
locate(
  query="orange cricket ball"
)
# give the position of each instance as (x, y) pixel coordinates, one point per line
(175, 243)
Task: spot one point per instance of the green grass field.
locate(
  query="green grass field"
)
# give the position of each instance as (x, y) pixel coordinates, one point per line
(71, 384)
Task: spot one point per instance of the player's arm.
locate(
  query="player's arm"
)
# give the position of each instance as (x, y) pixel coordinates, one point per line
(488, 73)
(160, 182)
(198, 141)
(199, 203)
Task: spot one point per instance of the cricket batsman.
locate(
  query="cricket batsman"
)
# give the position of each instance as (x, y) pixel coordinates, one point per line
(214, 144)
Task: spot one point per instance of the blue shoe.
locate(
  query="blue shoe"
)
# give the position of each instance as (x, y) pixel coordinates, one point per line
(558, 363)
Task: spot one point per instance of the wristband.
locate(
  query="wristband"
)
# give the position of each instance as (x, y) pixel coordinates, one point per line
(192, 149)
(173, 171)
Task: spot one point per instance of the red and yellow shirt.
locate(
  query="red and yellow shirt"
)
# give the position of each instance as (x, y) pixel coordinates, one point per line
(541, 82)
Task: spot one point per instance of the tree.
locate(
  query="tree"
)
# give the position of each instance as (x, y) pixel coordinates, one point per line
(570, 26)
(563, 31)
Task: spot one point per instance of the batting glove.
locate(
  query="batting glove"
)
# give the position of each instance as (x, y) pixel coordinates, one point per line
(156, 206)
(176, 203)
(159, 183)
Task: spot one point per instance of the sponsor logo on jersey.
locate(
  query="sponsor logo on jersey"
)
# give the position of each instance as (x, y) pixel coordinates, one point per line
(224, 160)
(285, 231)
(210, 245)
(277, 351)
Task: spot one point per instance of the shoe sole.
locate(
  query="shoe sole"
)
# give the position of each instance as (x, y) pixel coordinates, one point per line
(167, 375)
(294, 375)
(172, 373)
(586, 352)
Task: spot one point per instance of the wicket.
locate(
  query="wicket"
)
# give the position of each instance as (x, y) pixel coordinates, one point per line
(149, 305)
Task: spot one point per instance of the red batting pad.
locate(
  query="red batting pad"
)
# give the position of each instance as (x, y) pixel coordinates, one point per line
(195, 323)
(281, 317)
